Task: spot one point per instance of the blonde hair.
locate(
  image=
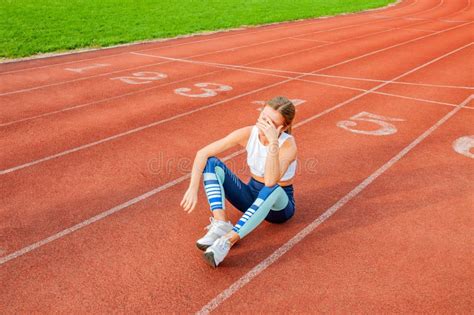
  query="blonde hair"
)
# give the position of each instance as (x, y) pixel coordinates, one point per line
(286, 108)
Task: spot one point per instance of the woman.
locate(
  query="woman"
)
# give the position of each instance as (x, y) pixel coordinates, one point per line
(271, 156)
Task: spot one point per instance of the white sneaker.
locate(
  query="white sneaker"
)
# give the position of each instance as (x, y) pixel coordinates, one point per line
(216, 253)
(216, 229)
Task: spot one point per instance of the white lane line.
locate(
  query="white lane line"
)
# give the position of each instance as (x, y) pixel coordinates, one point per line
(182, 80)
(180, 179)
(131, 131)
(285, 24)
(249, 70)
(258, 269)
(244, 67)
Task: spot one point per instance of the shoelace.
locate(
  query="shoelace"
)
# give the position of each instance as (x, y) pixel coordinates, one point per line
(223, 243)
(213, 225)
(210, 225)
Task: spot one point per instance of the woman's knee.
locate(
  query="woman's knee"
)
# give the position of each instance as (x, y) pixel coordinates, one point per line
(215, 169)
(211, 162)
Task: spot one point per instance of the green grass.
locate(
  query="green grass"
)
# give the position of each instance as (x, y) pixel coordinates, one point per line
(28, 27)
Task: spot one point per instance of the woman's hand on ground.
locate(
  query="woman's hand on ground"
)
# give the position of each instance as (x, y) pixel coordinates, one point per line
(268, 129)
(189, 200)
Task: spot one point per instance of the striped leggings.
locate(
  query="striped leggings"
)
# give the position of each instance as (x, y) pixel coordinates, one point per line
(258, 202)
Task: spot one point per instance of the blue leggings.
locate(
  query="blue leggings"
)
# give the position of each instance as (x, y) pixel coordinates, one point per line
(274, 204)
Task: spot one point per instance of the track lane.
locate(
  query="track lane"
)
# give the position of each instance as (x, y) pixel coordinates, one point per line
(394, 249)
(124, 237)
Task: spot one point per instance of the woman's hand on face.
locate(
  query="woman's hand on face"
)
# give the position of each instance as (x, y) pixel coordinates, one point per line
(189, 200)
(268, 128)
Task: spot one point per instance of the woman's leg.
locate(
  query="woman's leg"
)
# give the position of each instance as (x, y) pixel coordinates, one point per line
(220, 184)
(269, 198)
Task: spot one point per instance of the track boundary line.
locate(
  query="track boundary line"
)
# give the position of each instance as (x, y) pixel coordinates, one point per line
(255, 271)
(224, 31)
(134, 130)
(172, 183)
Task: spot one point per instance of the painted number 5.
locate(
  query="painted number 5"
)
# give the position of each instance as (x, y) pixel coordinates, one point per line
(208, 90)
(385, 129)
(464, 145)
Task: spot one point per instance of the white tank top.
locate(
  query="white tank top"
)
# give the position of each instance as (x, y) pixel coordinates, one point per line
(257, 154)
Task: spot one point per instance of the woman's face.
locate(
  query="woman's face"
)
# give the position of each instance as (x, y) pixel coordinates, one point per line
(273, 115)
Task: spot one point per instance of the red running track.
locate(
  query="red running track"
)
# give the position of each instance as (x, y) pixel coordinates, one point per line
(96, 148)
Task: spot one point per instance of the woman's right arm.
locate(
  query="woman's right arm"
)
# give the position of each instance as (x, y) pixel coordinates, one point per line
(239, 136)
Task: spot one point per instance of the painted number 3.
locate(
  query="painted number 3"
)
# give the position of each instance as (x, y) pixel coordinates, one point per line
(208, 90)
(385, 128)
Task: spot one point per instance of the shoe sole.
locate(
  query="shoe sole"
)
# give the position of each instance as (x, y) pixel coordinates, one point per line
(202, 246)
(209, 258)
